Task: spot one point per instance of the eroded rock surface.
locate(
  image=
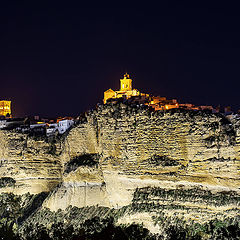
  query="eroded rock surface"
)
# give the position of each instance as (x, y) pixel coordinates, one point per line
(121, 148)
(32, 162)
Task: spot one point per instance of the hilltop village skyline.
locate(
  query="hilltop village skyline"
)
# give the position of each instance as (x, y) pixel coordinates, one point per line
(126, 93)
(58, 62)
(53, 126)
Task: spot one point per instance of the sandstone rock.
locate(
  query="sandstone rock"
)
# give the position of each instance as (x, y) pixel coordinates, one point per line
(136, 148)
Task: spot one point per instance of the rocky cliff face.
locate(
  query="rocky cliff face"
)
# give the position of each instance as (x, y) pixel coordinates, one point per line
(32, 162)
(198, 146)
(120, 148)
(139, 148)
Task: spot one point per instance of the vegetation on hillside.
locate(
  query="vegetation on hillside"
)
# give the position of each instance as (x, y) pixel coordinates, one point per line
(20, 220)
(7, 182)
(82, 160)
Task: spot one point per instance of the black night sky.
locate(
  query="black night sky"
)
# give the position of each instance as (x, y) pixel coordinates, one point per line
(57, 59)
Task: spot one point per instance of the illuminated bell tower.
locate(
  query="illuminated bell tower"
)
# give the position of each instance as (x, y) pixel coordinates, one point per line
(126, 83)
(5, 108)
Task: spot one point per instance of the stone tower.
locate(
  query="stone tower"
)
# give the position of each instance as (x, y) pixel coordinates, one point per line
(126, 83)
(5, 108)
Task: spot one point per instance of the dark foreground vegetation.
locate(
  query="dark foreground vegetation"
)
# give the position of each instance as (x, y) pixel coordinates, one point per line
(21, 218)
(97, 228)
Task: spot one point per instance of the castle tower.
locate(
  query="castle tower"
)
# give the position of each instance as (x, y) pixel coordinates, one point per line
(126, 83)
(5, 108)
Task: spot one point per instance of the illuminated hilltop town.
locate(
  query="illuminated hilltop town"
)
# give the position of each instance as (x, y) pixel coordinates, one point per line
(33, 125)
(127, 93)
(125, 90)
(135, 96)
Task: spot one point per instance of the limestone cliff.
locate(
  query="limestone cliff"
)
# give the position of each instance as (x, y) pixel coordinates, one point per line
(34, 163)
(139, 148)
(120, 148)
(196, 147)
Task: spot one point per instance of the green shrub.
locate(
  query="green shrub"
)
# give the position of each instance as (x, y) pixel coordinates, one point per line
(7, 182)
(82, 160)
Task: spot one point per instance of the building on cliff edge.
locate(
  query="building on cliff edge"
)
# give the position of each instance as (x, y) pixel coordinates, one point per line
(135, 96)
(158, 103)
(125, 91)
(5, 108)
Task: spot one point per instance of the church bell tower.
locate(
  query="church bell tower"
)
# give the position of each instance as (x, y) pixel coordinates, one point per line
(126, 83)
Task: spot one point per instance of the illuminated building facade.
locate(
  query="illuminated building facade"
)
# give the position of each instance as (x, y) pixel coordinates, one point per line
(125, 91)
(5, 108)
(161, 103)
(133, 96)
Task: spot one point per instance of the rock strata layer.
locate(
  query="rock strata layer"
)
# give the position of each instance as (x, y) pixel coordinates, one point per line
(120, 148)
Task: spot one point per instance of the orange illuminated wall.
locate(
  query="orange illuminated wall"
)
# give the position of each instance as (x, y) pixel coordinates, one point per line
(170, 106)
(5, 108)
(108, 94)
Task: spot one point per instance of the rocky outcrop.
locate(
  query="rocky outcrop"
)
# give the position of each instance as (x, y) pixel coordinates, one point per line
(139, 148)
(120, 148)
(83, 187)
(33, 162)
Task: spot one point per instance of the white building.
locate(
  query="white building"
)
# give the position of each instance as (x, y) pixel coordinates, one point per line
(52, 129)
(11, 123)
(3, 124)
(64, 125)
(37, 125)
